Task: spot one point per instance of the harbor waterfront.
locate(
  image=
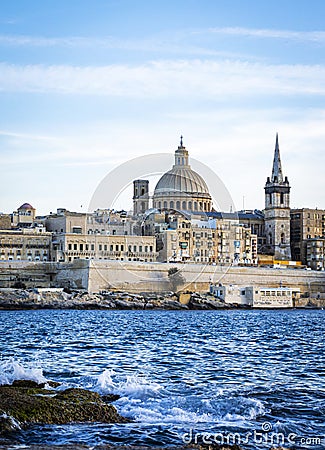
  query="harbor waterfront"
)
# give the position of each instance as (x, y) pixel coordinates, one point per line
(246, 376)
(98, 275)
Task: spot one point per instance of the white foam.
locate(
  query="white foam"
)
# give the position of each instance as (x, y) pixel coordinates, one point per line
(12, 370)
(131, 386)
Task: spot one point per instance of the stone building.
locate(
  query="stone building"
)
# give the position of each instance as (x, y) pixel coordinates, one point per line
(67, 247)
(24, 216)
(277, 210)
(25, 245)
(101, 221)
(207, 238)
(306, 224)
(315, 253)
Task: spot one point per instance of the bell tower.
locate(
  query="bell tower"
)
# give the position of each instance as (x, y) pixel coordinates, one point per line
(277, 210)
(140, 196)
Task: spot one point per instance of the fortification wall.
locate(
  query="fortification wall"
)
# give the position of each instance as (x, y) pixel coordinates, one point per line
(153, 277)
(44, 274)
(95, 276)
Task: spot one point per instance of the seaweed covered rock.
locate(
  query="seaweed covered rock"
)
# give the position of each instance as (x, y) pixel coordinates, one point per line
(29, 403)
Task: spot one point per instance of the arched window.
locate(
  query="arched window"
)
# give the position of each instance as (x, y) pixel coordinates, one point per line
(178, 205)
(184, 206)
(195, 206)
(190, 206)
(165, 205)
(159, 205)
(171, 205)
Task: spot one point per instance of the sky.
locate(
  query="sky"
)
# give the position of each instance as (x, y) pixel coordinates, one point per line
(86, 86)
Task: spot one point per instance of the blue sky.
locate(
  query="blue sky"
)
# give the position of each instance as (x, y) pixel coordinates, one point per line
(88, 85)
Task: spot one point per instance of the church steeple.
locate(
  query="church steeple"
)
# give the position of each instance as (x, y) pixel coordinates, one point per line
(277, 176)
(277, 210)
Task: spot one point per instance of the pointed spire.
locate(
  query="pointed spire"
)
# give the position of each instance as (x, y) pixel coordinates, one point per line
(277, 176)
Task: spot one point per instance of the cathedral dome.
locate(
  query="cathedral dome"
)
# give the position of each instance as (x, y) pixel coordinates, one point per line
(181, 187)
(181, 180)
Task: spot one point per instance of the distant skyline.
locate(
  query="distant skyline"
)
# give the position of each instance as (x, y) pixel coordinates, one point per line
(86, 86)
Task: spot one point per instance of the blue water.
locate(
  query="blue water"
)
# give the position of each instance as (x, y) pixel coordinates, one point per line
(180, 374)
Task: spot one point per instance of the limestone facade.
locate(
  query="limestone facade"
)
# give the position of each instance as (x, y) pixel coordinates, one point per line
(182, 238)
(24, 216)
(306, 224)
(25, 245)
(68, 247)
(315, 253)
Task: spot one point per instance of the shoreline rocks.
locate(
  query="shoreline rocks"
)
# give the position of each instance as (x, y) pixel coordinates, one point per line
(13, 299)
(25, 402)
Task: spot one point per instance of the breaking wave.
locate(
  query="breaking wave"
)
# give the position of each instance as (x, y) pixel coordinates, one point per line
(12, 370)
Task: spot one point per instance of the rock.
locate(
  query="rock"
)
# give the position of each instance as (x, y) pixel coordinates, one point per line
(26, 404)
(109, 398)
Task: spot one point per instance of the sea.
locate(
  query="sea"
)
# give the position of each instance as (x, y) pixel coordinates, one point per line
(248, 377)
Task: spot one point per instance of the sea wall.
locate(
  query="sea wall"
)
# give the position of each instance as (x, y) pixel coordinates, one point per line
(44, 274)
(101, 275)
(153, 277)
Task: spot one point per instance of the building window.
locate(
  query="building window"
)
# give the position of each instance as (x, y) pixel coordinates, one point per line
(117, 247)
(100, 247)
(122, 248)
(75, 247)
(178, 205)
(151, 248)
(171, 205)
(270, 199)
(184, 206)
(111, 248)
(70, 246)
(140, 248)
(282, 238)
(146, 249)
(81, 247)
(282, 198)
(93, 247)
(134, 248)
(165, 205)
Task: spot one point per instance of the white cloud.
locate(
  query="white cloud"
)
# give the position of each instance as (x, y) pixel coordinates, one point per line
(159, 79)
(307, 36)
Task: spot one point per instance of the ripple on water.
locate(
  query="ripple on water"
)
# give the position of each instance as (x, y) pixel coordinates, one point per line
(175, 370)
